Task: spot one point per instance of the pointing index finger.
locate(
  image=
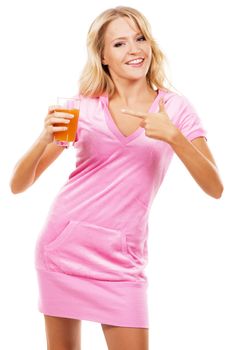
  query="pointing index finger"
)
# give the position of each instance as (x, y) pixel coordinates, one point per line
(133, 113)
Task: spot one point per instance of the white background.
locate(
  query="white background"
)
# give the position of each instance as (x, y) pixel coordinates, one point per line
(193, 260)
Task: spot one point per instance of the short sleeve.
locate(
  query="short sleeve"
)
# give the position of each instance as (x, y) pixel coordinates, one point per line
(188, 122)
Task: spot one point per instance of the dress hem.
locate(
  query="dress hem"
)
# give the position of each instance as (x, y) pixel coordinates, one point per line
(118, 303)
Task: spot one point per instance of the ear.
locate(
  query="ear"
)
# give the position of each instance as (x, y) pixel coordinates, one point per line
(103, 58)
(104, 61)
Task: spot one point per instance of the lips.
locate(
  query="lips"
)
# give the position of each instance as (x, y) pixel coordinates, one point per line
(135, 61)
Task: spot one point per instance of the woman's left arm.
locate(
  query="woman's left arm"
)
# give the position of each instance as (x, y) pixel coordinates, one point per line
(195, 154)
(199, 161)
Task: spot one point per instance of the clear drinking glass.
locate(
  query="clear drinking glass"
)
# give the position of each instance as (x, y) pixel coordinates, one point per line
(72, 106)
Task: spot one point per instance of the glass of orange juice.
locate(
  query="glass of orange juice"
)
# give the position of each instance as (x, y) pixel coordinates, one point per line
(72, 106)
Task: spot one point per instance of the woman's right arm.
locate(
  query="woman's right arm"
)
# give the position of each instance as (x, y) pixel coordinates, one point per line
(41, 154)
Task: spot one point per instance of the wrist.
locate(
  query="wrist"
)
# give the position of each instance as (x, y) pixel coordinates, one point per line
(175, 136)
(43, 139)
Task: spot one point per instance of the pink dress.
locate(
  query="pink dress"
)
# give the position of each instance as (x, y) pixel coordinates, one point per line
(91, 253)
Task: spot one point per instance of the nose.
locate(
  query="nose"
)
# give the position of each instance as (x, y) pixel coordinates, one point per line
(133, 47)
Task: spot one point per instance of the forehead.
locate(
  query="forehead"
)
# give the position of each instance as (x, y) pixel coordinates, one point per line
(121, 27)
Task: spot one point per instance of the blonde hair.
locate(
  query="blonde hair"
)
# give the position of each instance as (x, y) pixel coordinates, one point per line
(95, 79)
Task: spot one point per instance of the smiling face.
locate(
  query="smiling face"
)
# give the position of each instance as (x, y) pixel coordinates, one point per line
(126, 51)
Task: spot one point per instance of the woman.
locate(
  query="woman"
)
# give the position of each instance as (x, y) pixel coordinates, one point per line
(92, 251)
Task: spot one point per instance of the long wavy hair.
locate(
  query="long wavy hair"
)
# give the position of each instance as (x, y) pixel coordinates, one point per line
(95, 79)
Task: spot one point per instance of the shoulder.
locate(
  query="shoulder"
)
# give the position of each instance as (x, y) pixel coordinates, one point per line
(86, 99)
(179, 105)
(87, 102)
(176, 100)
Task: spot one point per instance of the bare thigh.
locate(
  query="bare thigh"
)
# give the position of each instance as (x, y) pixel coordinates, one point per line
(62, 333)
(126, 338)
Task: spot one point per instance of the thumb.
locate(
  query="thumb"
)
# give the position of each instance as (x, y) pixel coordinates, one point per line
(161, 104)
(160, 107)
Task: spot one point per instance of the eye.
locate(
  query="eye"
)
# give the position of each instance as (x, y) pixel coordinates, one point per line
(118, 44)
(141, 38)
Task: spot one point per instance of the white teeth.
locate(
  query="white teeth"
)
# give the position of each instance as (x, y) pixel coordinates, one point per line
(136, 61)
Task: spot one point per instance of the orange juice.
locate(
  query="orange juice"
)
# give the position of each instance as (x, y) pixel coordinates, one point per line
(69, 134)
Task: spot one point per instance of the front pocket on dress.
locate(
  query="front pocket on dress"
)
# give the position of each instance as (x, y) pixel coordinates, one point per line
(88, 250)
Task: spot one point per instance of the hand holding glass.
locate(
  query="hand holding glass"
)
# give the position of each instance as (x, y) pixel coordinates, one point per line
(72, 106)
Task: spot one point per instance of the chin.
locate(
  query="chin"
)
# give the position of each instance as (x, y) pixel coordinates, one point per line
(130, 76)
(139, 74)
(136, 76)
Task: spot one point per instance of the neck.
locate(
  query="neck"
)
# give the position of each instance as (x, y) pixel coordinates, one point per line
(129, 93)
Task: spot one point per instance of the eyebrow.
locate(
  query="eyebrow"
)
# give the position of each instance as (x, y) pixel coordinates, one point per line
(125, 37)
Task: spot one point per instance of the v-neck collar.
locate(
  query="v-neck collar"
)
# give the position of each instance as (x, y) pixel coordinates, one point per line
(112, 125)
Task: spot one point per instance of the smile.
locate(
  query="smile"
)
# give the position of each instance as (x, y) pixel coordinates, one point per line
(136, 62)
